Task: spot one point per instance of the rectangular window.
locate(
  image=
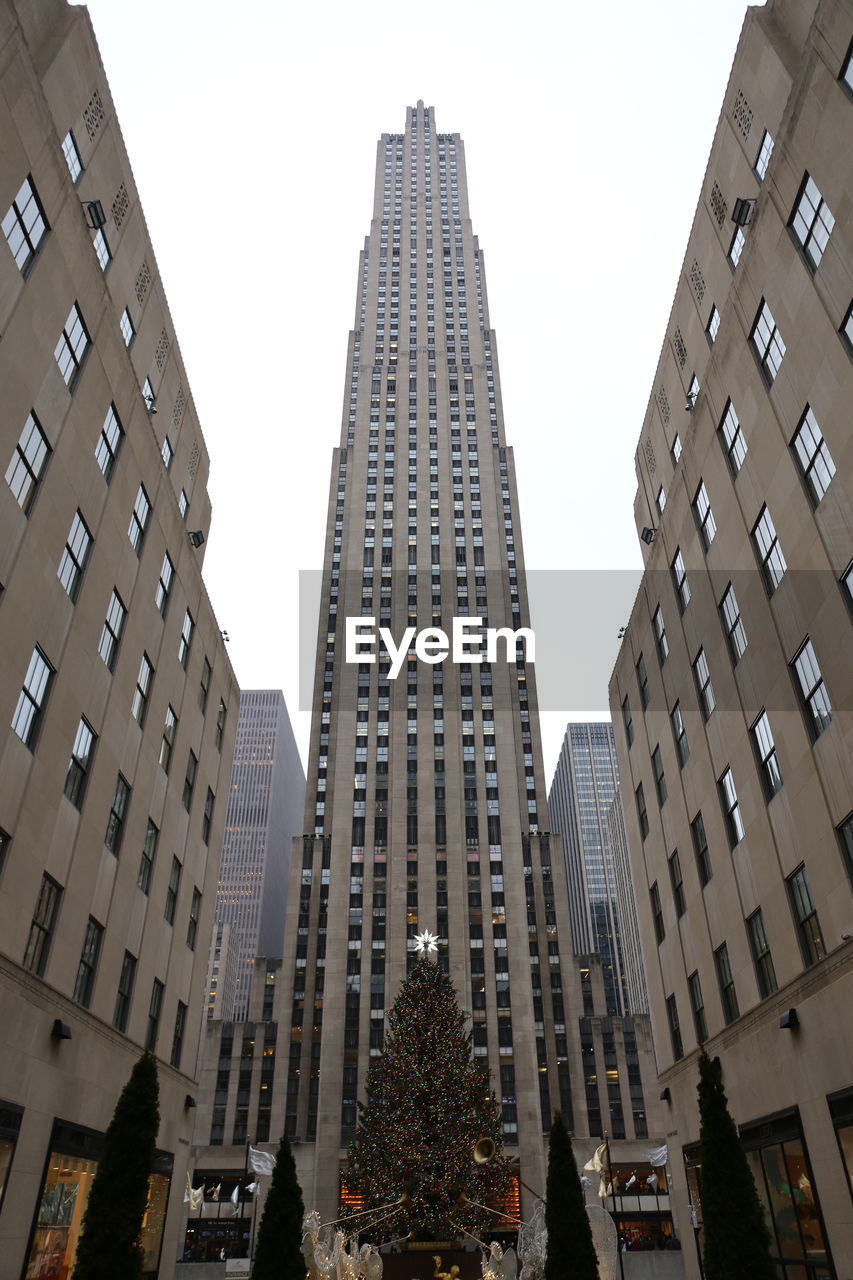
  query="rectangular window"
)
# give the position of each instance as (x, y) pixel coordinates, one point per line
(762, 160)
(767, 549)
(85, 980)
(109, 443)
(154, 1016)
(185, 642)
(679, 578)
(32, 699)
(660, 780)
(660, 635)
(113, 627)
(813, 692)
(674, 1028)
(139, 520)
(125, 323)
(125, 992)
(118, 813)
(697, 1008)
(170, 728)
(732, 439)
(183, 504)
(731, 808)
(705, 521)
(80, 764)
(642, 682)
(728, 995)
(765, 974)
(704, 688)
(677, 882)
(767, 343)
(765, 751)
(204, 684)
(189, 781)
(805, 917)
(628, 721)
(675, 449)
(814, 458)
(679, 733)
(736, 247)
(142, 692)
(642, 813)
(178, 1034)
(5, 841)
(220, 724)
(167, 453)
(195, 912)
(207, 817)
(732, 624)
(164, 585)
(712, 328)
(70, 350)
(657, 912)
(692, 394)
(811, 222)
(172, 891)
(845, 836)
(102, 249)
(72, 156)
(146, 863)
(74, 557)
(700, 848)
(42, 927)
(25, 226)
(31, 456)
(661, 499)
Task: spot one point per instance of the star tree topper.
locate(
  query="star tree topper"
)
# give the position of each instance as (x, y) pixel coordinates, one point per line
(426, 942)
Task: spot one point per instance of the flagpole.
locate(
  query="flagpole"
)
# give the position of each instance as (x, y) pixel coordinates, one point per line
(241, 1192)
(613, 1192)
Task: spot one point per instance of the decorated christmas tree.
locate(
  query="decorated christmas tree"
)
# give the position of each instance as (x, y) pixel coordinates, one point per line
(428, 1105)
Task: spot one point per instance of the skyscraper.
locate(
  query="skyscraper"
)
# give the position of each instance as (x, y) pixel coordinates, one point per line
(584, 790)
(733, 690)
(265, 803)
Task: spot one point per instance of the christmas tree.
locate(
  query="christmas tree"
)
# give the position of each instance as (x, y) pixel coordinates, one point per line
(278, 1252)
(109, 1242)
(571, 1252)
(737, 1240)
(427, 1107)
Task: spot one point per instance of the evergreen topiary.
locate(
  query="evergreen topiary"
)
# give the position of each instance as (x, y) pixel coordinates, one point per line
(278, 1252)
(570, 1252)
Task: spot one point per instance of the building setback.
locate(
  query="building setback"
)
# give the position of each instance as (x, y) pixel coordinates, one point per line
(265, 803)
(733, 689)
(117, 701)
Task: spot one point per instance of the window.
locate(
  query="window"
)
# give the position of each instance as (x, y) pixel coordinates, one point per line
(71, 348)
(42, 927)
(677, 882)
(85, 980)
(697, 1008)
(167, 453)
(732, 624)
(628, 721)
(5, 841)
(812, 690)
(32, 698)
(128, 332)
(102, 249)
(207, 816)
(660, 635)
(148, 396)
(118, 812)
(762, 160)
(847, 328)
(113, 627)
(845, 835)
(847, 582)
(661, 499)
(679, 578)
(846, 76)
(169, 730)
(154, 1016)
(693, 393)
(185, 642)
(675, 449)
(704, 516)
(172, 891)
(736, 247)
(178, 1034)
(679, 733)
(765, 974)
(149, 850)
(25, 226)
(141, 694)
(704, 688)
(712, 328)
(31, 456)
(183, 504)
(767, 343)
(204, 684)
(765, 750)
(657, 912)
(164, 585)
(80, 763)
(72, 156)
(731, 808)
(192, 925)
(642, 682)
(811, 222)
(642, 814)
(125, 992)
(700, 848)
(674, 1028)
(139, 520)
(805, 917)
(74, 557)
(728, 995)
(768, 551)
(189, 781)
(813, 456)
(660, 780)
(732, 439)
(220, 724)
(109, 443)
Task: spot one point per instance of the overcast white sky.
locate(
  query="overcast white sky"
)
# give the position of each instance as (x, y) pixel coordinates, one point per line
(252, 133)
